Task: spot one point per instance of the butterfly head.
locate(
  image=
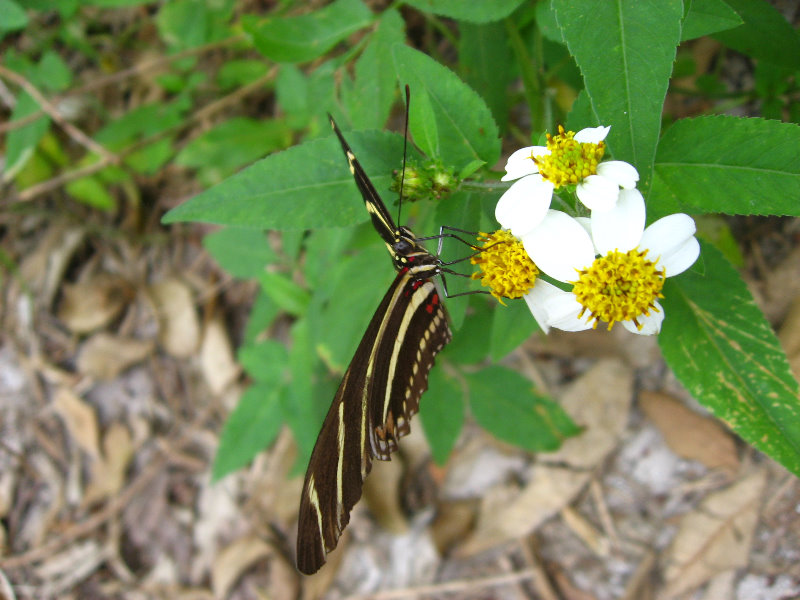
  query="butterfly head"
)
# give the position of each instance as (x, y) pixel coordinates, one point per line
(408, 254)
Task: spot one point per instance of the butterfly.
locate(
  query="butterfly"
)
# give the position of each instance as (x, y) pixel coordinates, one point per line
(380, 390)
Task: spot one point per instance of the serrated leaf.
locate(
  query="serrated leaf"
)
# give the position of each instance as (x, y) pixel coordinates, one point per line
(625, 50)
(475, 12)
(725, 352)
(306, 37)
(765, 34)
(708, 16)
(503, 402)
(441, 102)
(442, 413)
(306, 186)
(251, 427)
(730, 165)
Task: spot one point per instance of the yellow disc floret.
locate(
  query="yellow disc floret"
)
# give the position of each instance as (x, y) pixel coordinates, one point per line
(504, 265)
(569, 162)
(620, 286)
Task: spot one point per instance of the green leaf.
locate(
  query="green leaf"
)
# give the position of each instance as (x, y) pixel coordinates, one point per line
(52, 72)
(21, 143)
(730, 165)
(92, 192)
(442, 413)
(503, 402)
(474, 12)
(234, 143)
(439, 109)
(708, 16)
(306, 186)
(625, 50)
(486, 62)
(765, 34)
(12, 17)
(306, 37)
(266, 362)
(262, 315)
(150, 158)
(291, 93)
(373, 90)
(240, 72)
(470, 343)
(191, 23)
(251, 427)
(726, 354)
(340, 316)
(141, 122)
(512, 325)
(284, 292)
(300, 407)
(242, 252)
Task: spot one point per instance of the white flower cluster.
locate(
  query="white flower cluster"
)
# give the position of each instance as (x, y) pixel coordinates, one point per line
(616, 266)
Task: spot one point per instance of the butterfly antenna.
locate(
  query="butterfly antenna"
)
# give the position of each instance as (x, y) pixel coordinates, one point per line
(405, 148)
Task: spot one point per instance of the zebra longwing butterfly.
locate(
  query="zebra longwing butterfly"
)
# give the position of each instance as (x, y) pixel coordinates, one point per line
(381, 388)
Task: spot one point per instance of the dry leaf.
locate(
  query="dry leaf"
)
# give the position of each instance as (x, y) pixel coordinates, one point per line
(382, 495)
(43, 269)
(233, 560)
(689, 434)
(104, 355)
(789, 335)
(715, 537)
(179, 327)
(80, 420)
(216, 356)
(92, 304)
(108, 473)
(600, 401)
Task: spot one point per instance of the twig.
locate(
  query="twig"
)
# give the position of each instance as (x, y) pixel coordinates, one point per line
(450, 587)
(114, 506)
(59, 180)
(119, 76)
(54, 114)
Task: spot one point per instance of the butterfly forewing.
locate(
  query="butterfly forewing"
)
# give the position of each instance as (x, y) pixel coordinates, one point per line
(381, 219)
(381, 388)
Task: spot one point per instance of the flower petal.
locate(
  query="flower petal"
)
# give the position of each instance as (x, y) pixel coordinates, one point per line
(520, 163)
(671, 241)
(597, 193)
(651, 324)
(621, 227)
(623, 174)
(559, 246)
(523, 206)
(592, 135)
(553, 307)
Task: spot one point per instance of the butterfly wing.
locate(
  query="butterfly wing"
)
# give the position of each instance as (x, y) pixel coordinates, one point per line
(381, 219)
(372, 408)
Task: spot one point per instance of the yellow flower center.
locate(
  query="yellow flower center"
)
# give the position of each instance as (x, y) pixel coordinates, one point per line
(619, 287)
(504, 265)
(569, 162)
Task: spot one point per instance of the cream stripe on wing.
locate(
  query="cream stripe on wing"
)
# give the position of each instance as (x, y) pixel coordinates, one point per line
(419, 296)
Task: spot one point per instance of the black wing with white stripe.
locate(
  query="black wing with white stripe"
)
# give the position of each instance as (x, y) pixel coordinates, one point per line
(371, 410)
(381, 388)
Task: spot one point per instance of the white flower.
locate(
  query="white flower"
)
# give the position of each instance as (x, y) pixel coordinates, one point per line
(616, 265)
(568, 159)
